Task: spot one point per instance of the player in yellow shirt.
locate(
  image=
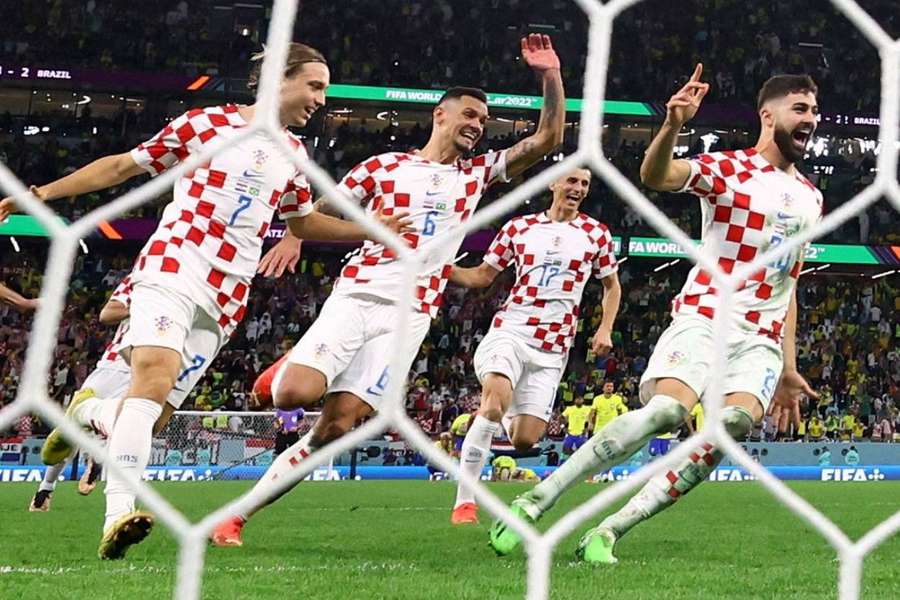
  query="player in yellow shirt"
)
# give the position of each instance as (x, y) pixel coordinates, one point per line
(606, 407)
(697, 414)
(815, 429)
(504, 468)
(459, 427)
(577, 417)
(444, 443)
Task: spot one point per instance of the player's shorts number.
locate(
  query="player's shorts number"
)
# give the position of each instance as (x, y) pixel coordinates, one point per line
(198, 362)
(380, 385)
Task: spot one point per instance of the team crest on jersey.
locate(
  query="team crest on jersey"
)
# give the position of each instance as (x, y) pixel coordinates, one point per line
(259, 159)
(321, 350)
(162, 324)
(675, 357)
(436, 181)
(557, 242)
(786, 200)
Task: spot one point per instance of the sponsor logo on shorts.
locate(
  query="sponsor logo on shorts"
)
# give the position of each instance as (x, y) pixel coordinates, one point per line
(675, 358)
(321, 350)
(162, 324)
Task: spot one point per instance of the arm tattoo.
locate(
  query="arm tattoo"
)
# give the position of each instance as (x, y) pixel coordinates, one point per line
(551, 123)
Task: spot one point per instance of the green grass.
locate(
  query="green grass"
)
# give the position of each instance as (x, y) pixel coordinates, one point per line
(349, 540)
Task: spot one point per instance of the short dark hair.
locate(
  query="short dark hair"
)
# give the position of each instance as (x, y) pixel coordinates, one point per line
(782, 85)
(297, 56)
(459, 92)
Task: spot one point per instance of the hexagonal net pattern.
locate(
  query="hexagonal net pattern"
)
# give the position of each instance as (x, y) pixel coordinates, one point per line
(33, 396)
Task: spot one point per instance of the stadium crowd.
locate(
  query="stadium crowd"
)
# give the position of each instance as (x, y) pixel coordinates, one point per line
(849, 334)
(42, 158)
(473, 41)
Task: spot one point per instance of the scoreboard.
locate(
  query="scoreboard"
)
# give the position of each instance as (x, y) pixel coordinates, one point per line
(42, 73)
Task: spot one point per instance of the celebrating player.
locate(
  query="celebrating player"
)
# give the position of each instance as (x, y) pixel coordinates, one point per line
(345, 354)
(522, 358)
(751, 201)
(190, 284)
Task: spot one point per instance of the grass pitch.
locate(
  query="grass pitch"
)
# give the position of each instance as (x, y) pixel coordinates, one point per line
(393, 540)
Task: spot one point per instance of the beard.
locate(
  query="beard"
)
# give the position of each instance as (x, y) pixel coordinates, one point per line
(785, 141)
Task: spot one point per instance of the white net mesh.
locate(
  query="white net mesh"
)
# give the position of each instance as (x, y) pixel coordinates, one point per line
(226, 439)
(192, 536)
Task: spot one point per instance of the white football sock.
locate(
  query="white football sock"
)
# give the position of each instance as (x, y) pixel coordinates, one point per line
(129, 448)
(99, 414)
(51, 476)
(474, 453)
(662, 491)
(281, 466)
(621, 438)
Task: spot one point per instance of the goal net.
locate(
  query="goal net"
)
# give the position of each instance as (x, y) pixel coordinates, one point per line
(33, 396)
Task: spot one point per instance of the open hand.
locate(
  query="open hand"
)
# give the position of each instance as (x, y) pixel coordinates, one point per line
(785, 407)
(283, 255)
(399, 223)
(538, 53)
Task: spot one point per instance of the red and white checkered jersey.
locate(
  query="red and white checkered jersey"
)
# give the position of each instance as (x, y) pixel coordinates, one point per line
(553, 262)
(210, 239)
(110, 358)
(122, 293)
(748, 207)
(437, 197)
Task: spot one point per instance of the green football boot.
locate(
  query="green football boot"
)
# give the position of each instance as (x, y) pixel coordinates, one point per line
(596, 547)
(503, 539)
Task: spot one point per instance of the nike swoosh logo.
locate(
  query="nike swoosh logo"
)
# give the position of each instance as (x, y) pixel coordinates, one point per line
(250, 174)
(432, 193)
(782, 215)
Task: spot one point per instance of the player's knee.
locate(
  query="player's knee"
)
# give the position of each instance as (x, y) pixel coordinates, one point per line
(738, 422)
(523, 442)
(330, 431)
(666, 412)
(496, 392)
(156, 388)
(151, 380)
(297, 393)
(491, 411)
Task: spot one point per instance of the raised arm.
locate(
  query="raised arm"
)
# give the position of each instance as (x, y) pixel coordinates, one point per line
(101, 174)
(16, 300)
(659, 171)
(474, 277)
(538, 53)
